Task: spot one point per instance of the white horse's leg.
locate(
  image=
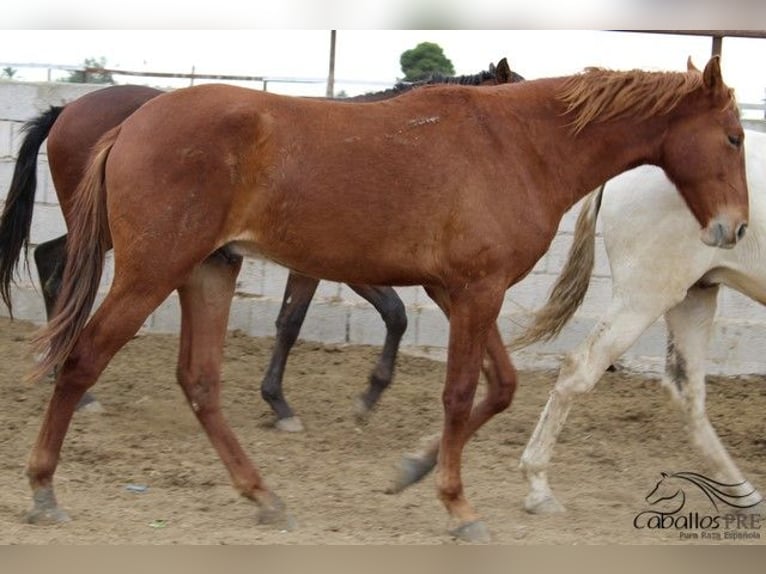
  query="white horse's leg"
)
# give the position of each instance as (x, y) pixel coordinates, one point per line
(580, 371)
(690, 324)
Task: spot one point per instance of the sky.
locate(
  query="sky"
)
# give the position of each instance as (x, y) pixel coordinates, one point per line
(368, 59)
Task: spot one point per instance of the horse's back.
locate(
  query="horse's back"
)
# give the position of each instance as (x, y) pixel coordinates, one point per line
(81, 124)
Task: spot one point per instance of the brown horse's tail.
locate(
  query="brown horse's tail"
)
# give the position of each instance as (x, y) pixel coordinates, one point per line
(571, 286)
(16, 220)
(87, 245)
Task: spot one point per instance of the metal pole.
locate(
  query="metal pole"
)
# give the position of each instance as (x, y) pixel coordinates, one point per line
(331, 75)
(717, 45)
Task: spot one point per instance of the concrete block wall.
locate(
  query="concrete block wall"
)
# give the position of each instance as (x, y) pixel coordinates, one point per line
(339, 316)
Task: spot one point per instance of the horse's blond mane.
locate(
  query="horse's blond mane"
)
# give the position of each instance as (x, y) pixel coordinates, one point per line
(597, 94)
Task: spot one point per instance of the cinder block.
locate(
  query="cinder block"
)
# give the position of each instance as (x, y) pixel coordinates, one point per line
(240, 314)
(263, 315)
(47, 223)
(326, 322)
(28, 305)
(250, 279)
(738, 346)
(6, 176)
(7, 149)
(735, 306)
(528, 295)
(328, 290)
(274, 280)
(432, 328)
(167, 317)
(18, 101)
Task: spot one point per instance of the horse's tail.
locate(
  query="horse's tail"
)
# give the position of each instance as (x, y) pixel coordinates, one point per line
(87, 245)
(17, 214)
(571, 286)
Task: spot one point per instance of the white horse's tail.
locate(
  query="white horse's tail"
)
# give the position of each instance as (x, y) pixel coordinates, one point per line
(572, 284)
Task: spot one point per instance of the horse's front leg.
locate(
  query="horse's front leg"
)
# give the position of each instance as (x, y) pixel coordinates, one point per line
(501, 385)
(473, 310)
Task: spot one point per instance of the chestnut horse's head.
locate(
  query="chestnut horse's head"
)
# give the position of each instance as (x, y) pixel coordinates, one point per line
(703, 155)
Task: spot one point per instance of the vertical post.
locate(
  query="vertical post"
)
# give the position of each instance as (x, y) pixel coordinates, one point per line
(717, 45)
(331, 74)
(191, 77)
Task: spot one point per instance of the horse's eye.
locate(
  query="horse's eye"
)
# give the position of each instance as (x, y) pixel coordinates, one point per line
(736, 141)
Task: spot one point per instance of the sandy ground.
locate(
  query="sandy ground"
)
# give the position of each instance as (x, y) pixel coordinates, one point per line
(333, 476)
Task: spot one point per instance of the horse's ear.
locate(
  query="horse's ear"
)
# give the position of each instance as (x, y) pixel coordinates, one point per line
(503, 72)
(711, 77)
(690, 67)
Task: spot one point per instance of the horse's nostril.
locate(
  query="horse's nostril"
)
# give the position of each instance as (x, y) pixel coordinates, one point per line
(741, 231)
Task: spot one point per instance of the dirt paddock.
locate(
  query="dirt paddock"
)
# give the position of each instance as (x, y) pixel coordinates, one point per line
(143, 472)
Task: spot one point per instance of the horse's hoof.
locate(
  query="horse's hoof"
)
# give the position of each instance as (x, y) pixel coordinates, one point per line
(289, 424)
(361, 412)
(93, 407)
(412, 469)
(475, 532)
(543, 505)
(89, 404)
(275, 514)
(46, 516)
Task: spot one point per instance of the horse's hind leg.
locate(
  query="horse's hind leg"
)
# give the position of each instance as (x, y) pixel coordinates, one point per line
(118, 318)
(299, 291)
(580, 371)
(391, 309)
(50, 258)
(690, 325)
(205, 302)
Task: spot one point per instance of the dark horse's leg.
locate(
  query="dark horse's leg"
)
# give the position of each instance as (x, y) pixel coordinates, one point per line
(50, 258)
(391, 309)
(299, 292)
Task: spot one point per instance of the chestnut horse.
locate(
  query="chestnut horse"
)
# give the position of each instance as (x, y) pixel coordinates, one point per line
(457, 189)
(72, 130)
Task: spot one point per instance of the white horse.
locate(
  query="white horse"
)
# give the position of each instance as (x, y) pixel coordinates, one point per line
(667, 272)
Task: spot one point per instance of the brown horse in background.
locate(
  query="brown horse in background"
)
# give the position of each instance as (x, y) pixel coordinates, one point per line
(72, 131)
(456, 189)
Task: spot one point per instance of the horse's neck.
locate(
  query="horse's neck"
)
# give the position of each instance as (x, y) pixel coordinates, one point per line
(602, 151)
(579, 163)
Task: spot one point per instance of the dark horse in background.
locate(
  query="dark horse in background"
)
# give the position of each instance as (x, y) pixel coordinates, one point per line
(72, 130)
(458, 189)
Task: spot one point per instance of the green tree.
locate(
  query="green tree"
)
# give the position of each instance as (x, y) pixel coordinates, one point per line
(93, 73)
(424, 60)
(8, 73)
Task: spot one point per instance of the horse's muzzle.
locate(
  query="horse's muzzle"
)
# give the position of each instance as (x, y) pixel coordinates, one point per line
(724, 234)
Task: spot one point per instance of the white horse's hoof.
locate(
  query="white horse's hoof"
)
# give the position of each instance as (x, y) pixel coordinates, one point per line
(543, 504)
(289, 424)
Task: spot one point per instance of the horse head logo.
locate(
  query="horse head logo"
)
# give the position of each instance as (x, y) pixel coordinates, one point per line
(671, 487)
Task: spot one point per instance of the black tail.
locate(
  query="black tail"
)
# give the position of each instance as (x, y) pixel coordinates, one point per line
(17, 213)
